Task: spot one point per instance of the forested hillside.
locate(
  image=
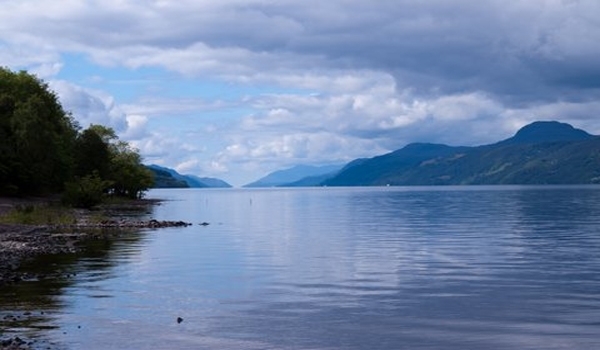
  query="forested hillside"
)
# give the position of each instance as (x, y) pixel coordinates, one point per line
(539, 153)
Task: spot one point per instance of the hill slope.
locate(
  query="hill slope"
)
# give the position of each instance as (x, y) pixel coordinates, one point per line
(169, 178)
(300, 175)
(539, 153)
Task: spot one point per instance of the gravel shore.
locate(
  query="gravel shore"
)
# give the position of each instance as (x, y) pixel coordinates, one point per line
(21, 243)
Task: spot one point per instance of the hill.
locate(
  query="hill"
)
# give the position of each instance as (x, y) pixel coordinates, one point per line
(542, 132)
(164, 179)
(208, 181)
(539, 153)
(169, 178)
(300, 175)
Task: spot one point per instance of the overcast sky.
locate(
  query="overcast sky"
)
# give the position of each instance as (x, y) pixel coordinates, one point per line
(235, 89)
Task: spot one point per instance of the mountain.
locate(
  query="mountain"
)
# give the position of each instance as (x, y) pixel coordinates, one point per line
(208, 181)
(539, 153)
(294, 175)
(311, 181)
(164, 179)
(401, 164)
(169, 178)
(539, 132)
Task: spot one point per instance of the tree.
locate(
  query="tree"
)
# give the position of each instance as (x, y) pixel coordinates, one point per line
(42, 150)
(85, 192)
(114, 161)
(36, 136)
(129, 177)
(92, 154)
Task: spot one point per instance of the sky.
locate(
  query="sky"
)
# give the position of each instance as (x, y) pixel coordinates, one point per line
(237, 89)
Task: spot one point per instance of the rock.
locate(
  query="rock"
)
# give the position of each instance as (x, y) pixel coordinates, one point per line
(128, 224)
(179, 320)
(13, 343)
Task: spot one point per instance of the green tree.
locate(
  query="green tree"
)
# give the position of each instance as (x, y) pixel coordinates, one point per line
(36, 136)
(124, 172)
(129, 177)
(92, 154)
(86, 191)
(41, 148)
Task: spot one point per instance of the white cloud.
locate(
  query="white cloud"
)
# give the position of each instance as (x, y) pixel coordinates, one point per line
(136, 127)
(314, 81)
(90, 106)
(158, 106)
(186, 166)
(458, 108)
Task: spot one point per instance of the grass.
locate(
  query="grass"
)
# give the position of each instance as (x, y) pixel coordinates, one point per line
(45, 214)
(55, 214)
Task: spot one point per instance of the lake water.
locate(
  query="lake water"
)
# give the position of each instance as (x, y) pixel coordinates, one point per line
(503, 267)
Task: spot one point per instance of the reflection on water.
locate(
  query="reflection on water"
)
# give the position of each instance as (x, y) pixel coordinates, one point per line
(30, 308)
(338, 268)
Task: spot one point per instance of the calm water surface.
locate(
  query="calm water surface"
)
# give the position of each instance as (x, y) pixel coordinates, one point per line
(337, 268)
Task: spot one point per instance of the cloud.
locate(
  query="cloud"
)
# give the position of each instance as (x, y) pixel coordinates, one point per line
(136, 127)
(96, 107)
(374, 111)
(520, 52)
(310, 81)
(186, 166)
(278, 151)
(89, 106)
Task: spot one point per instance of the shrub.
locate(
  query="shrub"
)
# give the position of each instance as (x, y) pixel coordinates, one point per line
(85, 192)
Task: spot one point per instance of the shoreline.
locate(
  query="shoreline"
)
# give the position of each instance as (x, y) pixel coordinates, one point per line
(23, 242)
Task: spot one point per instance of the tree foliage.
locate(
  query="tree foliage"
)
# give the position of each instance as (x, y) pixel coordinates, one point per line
(36, 134)
(124, 171)
(86, 191)
(43, 150)
(92, 154)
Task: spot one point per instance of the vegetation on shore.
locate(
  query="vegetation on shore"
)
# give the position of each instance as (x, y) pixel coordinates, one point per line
(45, 214)
(44, 151)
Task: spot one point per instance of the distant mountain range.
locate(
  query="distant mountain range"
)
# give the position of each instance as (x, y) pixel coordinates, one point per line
(300, 175)
(539, 153)
(169, 178)
(545, 152)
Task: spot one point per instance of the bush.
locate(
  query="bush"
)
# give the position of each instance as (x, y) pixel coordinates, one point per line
(85, 192)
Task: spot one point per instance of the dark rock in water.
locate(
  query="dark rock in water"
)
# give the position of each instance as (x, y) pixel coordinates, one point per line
(134, 224)
(12, 343)
(179, 319)
(159, 224)
(204, 223)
